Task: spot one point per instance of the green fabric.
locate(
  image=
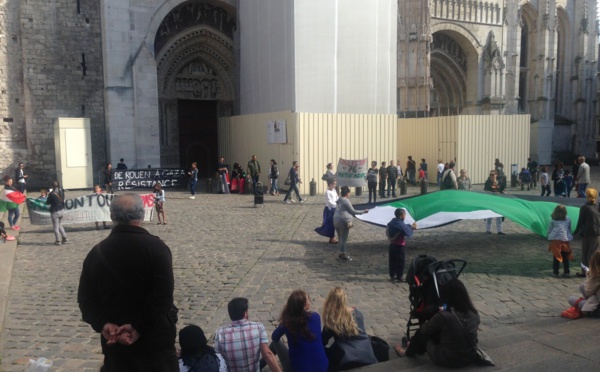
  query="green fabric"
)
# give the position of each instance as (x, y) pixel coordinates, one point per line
(6, 205)
(534, 216)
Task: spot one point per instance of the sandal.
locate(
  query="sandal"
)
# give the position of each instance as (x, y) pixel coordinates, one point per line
(160, 223)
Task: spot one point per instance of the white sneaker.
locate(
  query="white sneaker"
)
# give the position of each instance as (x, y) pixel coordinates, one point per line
(192, 197)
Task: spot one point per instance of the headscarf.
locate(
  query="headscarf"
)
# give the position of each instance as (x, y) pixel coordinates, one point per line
(592, 195)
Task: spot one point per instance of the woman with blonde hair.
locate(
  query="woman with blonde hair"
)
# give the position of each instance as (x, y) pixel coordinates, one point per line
(351, 347)
(588, 226)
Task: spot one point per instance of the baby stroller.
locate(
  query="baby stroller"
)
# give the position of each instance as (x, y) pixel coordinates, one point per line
(424, 277)
(525, 179)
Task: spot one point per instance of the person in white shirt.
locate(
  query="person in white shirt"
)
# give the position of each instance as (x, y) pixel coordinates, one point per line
(331, 196)
(583, 177)
(440, 169)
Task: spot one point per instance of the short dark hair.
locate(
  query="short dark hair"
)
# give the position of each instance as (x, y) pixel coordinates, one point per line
(345, 190)
(121, 160)
(330, 181)
(399, 212)
(237, 308)
(451, 165)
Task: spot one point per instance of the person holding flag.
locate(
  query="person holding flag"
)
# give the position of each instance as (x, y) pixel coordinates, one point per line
(11, 199)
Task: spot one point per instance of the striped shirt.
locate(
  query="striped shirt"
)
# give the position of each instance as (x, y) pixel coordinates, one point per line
(239, 343)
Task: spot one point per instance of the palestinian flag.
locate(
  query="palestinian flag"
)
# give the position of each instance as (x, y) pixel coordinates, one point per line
(443, 207)
(11, 200)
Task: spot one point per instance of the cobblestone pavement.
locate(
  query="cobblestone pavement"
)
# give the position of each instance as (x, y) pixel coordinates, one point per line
(223, 247)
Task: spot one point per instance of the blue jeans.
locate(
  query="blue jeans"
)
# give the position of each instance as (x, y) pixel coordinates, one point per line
(254, 181)
(411, 176)
(581, 190)
(223, 187)
(274, 188)
(13, 216)
(193, 186)
(293, 187)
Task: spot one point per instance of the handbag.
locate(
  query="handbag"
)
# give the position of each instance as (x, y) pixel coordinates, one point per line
(381, 348)
(480, 355)
(349, 224)
(324, 177)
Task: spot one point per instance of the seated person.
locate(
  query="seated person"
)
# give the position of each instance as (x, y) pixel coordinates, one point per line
(450, 336)
(590, 290)
(351, 347)
(525, 178)
(43, 195)
(3, 233)
(195, 354)
(302, 329)
(243, 342)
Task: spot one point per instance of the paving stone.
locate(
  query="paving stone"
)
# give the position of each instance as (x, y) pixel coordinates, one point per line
(223, 247)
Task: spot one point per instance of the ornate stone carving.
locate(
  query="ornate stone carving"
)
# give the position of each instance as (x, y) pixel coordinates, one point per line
(585, 26)
(450, 47)
(192, 14)
(197, 80)
(492, 57)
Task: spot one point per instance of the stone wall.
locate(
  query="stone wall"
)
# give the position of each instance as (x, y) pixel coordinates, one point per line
(52, 68)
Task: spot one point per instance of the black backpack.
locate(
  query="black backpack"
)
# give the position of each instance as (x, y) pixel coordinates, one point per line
(447, 183)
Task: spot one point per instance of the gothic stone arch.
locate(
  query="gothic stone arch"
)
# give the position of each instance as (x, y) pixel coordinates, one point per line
(195, 63)
(454, 70)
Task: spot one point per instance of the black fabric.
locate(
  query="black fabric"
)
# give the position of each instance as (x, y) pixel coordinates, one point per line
(447, 183)
(203, 363)
(381, 349)
(144, 262)
(56, 200)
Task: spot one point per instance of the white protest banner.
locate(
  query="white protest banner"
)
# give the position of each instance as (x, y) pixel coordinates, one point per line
(85, 209)
(351, 173)
(147, 178)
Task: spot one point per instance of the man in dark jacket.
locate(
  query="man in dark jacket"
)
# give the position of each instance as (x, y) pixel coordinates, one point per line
(126, 294)
(392, 173)
(383, 175)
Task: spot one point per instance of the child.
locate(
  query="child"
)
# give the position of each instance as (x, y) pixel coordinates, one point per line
(559, 234)
(545, 182)
(568, 183)
(98, 190)
(159, 203)
(396, 233)
(590, 289)
(43, 195)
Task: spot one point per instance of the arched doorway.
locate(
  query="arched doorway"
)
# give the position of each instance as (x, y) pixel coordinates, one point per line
(454, 73)
(195, 74)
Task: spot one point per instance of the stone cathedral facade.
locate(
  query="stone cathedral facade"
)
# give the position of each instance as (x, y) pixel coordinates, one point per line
(154, 76)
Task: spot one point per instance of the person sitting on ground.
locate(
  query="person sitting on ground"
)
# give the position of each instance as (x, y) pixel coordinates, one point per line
(243, 342)
(450, 336)
(351, 347)
(590, 290)
(195, 354)
(43, 195)
(302, 329)
(3, 233)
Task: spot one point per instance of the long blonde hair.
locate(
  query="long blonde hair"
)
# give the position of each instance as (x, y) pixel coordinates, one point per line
(337, 316)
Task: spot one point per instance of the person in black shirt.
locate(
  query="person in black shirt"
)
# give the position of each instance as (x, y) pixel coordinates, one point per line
(56, 200)
(121, 165)
(126, 294)
(382, 180)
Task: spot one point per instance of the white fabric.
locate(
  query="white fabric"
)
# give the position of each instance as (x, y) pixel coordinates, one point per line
(383, 215)
(440, 167)
(331, 197)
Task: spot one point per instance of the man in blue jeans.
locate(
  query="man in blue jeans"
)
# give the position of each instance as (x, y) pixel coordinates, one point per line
(294, 181)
